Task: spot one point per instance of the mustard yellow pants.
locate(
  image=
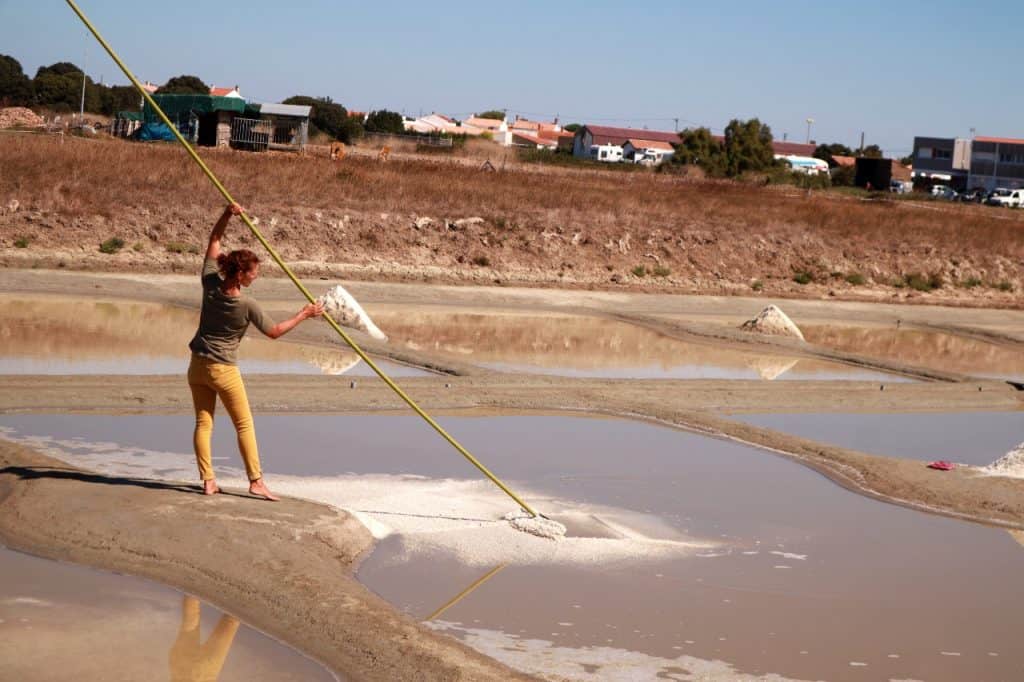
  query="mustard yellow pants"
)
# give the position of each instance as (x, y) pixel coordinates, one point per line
(208, 380)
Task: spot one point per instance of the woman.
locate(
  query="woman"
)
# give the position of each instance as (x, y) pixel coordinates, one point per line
(213, 372)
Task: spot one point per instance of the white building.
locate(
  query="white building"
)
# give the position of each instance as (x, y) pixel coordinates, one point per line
(647, 152)
(804, 164)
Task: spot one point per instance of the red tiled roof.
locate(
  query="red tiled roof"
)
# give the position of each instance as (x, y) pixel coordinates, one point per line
(532, 139)
(523, 124)
(553, 135)
(220, 92)
(1000, 140)
(612, 135)
(478, 122)
(844, 160)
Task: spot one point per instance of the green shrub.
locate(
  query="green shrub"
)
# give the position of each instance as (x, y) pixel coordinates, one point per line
(21, 242)
(661, 271)
(112, 245)
(181, 247)
(482, 261)
(757, 285)
(138, 247)
(970, 283)
(921, 282)
(639, 271)
(803, 277)
(1004, 285)
(856, 279)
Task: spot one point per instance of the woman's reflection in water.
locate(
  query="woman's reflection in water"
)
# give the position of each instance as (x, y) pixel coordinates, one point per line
(192, 661)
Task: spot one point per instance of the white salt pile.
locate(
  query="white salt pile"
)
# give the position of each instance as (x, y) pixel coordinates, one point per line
(535, 525)
(774, 322)
(347, 312)
(422, 516)
(1011, 464)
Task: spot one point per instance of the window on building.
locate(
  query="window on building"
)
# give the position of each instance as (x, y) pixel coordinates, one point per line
(942, 154)
(1005, 157)
(924, 153)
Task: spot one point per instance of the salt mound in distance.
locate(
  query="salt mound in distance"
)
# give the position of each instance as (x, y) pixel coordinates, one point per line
(774, 322)
(1011, 464)
(347, 312)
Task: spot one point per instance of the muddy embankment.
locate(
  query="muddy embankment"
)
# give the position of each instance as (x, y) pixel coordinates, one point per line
(446, 222)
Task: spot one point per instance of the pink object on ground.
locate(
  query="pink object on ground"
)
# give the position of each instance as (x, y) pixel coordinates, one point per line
(942, 465)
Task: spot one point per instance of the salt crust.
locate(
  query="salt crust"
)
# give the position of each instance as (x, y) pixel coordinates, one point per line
(419, 515)
(551, 661)
(773, 321)
(1011, 464)
(347, 312)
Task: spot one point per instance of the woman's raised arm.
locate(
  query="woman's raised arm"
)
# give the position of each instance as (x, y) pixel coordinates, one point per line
(213, 247)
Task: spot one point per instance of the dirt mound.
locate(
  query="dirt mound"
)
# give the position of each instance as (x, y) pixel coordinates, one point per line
(773, 321)
(13, 117)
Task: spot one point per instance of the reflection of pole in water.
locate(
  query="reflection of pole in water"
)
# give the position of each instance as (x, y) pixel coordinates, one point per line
(192, 661)
(461, 595)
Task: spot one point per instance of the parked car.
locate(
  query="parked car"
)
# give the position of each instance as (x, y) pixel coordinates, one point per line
(973, 196)
(943, 192)
(1000, 196)
(901, 186)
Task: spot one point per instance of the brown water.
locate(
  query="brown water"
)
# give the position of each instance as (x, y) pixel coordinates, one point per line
(976, 438)
(808, 580)
(60, 335)
(923, 348)
(572, 345)
(61, 622)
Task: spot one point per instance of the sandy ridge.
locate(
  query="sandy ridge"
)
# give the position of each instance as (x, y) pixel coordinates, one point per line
(286, 569)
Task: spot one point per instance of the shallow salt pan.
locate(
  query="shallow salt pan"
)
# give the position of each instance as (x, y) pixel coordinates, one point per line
(462, 517)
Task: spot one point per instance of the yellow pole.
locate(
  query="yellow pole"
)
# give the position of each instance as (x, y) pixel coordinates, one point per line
(277, 259)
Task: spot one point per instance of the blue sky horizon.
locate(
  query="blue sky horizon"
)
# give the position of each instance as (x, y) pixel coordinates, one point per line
(935, 68)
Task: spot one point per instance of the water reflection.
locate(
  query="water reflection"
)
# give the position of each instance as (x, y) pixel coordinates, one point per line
(194, 661)
(573, 345)
(937, 350)
(439, 611)
(58, 335)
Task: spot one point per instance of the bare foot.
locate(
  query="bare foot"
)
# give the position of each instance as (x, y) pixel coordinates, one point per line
(260, 489)
(210, 487)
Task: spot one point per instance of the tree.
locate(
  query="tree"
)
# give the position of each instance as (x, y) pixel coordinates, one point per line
(15, 86)
(493, 114)
(385, 121)
(330, 117)
(572, 127)
(184, 85)
(119, 98)
(872, 151)
(59, 86)
(748, 147)
(699, 147)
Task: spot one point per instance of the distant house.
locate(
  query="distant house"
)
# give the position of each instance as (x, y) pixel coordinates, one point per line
(844, 161)
(215, 121)
(525, 139)
(433, 123)
(226, 92)
(605, 143)
(649, 152)
(983, 162)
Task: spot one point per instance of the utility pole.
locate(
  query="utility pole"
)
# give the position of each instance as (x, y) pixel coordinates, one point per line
(861, 150)
(810, 121)
(677, 124)
(81, 111)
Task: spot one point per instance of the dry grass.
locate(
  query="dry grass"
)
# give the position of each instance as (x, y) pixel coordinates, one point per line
(110, 179)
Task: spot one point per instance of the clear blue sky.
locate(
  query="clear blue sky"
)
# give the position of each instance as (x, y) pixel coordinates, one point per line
(891, 69)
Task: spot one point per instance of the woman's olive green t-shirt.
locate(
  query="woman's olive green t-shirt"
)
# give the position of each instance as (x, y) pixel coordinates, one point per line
(224, 319)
